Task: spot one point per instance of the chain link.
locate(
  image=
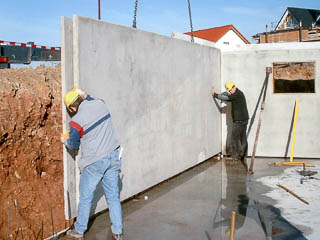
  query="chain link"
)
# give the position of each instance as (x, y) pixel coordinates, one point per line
(134, 24)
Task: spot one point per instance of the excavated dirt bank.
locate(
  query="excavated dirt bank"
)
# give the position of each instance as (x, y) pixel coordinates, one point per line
(31, 166)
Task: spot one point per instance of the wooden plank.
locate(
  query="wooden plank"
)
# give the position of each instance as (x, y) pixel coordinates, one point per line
(292, 193)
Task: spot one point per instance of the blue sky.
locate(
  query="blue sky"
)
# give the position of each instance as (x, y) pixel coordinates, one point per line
(39, 20)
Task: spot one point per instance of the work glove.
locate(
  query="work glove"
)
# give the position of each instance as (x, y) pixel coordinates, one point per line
(81, 93)
(64, 137)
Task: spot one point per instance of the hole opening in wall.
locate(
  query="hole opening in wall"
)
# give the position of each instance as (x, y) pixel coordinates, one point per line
(294, 77)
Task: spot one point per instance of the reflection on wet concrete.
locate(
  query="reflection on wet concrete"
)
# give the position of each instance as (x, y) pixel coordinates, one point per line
(273, 224)
(234, 184)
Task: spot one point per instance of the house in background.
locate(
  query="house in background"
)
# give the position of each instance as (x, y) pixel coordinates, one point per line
(223, 36)
(295, 25)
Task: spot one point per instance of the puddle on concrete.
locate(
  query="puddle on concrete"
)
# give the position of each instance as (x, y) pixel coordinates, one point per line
(268, 217)
(304, 216)
(252, 213)
(274, 225)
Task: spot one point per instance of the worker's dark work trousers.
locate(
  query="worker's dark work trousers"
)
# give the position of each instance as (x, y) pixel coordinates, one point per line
(239, 139)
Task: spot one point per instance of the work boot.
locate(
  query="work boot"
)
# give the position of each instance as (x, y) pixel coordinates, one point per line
(117, 236)
(240, 158)
(73, 233)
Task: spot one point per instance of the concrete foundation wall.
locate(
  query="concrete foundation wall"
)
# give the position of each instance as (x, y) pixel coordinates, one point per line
(246, 66)
(157, 91)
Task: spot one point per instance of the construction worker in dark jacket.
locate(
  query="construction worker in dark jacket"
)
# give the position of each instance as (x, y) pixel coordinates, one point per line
(240, 118)
(91, 127)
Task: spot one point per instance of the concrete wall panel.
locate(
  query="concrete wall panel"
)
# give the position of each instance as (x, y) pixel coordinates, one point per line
(158, 92)
(246, 67)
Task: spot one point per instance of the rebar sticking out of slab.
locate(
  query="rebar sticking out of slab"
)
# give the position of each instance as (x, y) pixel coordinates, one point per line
(19, 220)
(9, 219)
(51, 211)
(232, 225)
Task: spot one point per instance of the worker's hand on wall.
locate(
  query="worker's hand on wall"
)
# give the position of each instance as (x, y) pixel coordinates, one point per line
(81, 93)
(212, 91)
(64, 137)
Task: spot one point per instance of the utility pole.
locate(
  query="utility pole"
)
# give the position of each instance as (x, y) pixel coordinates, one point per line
(99, 15)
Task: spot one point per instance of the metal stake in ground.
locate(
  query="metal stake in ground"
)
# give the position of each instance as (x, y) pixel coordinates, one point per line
(9, 219)
(52, 222)
(268, 71)
(232, 225)
(19, 221)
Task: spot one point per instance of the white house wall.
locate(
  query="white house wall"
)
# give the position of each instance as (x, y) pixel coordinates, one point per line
(230, 38)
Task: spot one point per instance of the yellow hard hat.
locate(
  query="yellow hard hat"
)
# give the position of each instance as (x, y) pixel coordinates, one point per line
(229, 85)
(70, 97)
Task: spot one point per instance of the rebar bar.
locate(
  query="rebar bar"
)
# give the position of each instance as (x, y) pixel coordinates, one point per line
(19, 220)
(9, 219)
(52, 222)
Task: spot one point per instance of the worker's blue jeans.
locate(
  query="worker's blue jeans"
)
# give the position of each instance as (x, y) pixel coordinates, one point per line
(107, 171)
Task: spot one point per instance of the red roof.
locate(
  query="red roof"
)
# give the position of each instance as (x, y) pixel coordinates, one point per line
(214, 34)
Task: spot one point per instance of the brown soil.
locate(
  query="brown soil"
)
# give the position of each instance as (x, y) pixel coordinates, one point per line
(31, 166)
(294, 71)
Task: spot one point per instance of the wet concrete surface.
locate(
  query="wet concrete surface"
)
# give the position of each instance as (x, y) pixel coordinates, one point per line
(198, 204)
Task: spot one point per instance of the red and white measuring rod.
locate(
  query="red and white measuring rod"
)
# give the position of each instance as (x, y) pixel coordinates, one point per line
(28, 45)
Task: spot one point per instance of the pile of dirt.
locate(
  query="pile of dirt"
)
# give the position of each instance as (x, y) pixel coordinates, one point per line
(31, 166)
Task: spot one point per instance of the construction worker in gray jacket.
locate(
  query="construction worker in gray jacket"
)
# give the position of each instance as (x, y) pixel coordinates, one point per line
(240, 118)
(91, 127)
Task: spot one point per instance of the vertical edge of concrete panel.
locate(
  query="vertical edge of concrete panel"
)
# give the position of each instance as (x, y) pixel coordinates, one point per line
(76, 50)
(76, 82)
(222, 145)
(67, 83)
(158, 90)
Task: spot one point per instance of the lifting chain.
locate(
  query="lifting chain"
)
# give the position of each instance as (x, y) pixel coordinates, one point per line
(134, 24)
(189, 6)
